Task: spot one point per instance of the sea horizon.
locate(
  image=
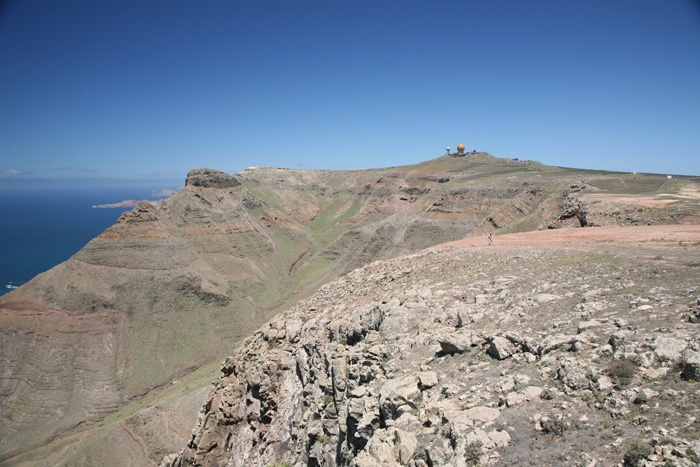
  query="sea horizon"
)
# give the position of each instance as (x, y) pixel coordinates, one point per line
(45, 226)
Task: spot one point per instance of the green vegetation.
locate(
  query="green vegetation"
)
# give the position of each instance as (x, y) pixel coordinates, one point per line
(555, 426)
(636, 453)
(472, 452)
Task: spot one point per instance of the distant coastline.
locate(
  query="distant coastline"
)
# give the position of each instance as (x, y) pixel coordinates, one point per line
(127, 203)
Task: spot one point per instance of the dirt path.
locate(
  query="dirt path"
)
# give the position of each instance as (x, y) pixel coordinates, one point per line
(653, 233)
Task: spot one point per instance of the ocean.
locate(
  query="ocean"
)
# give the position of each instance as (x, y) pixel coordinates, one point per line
(42, 227)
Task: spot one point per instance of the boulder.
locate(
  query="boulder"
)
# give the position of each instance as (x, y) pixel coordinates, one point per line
(457, 342)
(554, 342)
(501, 348)
(427, 379)
(398, 396)
(406, 444)
(669, 347)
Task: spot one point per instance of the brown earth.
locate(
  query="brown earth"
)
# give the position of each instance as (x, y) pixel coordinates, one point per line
(629, 234)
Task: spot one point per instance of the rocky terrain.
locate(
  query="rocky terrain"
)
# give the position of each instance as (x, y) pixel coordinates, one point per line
(106, 355)
(583, 352)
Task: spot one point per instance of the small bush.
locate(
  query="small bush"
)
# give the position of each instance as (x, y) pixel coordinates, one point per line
(472, 452)
(636, 359)
(637, 453)
(555, 426)
(641, 398)
(547, 395)
(622, 371)
(693, 264)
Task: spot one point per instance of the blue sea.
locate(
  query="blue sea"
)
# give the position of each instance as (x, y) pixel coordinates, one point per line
(42, 227)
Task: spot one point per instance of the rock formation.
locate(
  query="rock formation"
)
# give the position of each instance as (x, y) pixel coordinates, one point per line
(559, 355)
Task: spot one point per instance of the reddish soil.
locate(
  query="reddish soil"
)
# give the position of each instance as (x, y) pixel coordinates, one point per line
(630, 234)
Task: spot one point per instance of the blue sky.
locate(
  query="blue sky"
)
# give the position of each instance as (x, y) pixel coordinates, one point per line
(150, 89)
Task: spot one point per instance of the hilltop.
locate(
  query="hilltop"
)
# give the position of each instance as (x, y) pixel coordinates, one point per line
(108, 354)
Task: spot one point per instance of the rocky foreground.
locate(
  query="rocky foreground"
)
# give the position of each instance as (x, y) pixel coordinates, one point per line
(583, 353)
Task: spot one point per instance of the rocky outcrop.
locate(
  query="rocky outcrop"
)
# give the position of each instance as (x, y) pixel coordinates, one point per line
(437, 359)
(210, 178)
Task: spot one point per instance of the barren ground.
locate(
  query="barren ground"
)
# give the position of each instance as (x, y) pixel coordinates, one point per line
(630, 234)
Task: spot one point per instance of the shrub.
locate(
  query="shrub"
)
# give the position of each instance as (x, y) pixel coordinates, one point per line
(555, 426)
(637, 453)
(547, 395)
(622, 371)
(641, 398)
(472, 452)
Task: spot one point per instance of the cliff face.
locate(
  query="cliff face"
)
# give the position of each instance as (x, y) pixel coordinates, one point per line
(563, 354)
(175, 284)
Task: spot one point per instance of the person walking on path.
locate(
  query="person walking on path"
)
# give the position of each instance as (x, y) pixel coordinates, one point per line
(490, 238)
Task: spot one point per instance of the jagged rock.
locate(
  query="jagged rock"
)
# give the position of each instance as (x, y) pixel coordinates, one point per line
(500, 348)
(553, 342)
(293, 330)
(398, 396)
(500, 438)
(532, 392)
(458, 342)
(427, 379)
(210, 178)
(523, 343)
(585, 325)
(513, 398)
(380, 450)
(573, 376)
(618, 339)
(406, 444)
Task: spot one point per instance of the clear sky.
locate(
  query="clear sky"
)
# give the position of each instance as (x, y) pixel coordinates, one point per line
(145, 89)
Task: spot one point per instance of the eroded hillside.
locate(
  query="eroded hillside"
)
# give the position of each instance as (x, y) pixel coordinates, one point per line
(175, 284)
